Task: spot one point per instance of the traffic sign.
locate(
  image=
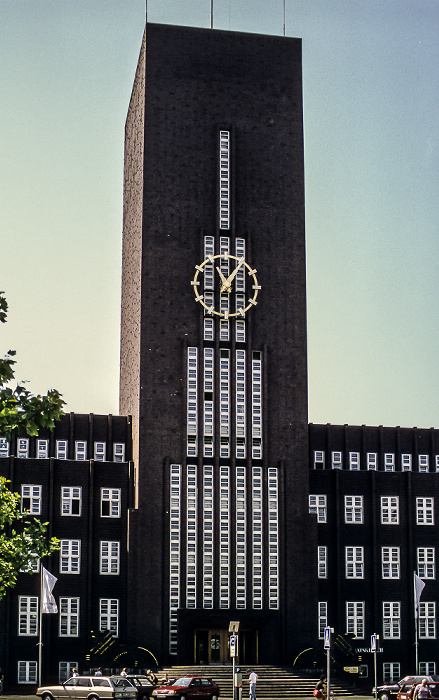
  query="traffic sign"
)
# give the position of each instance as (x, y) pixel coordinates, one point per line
(327, 644)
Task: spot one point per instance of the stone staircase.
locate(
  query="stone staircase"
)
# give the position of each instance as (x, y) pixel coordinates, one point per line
(274, 682)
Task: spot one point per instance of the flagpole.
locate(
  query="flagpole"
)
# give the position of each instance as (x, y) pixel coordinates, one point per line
(284, 17)
(416, 621)
(40, 643)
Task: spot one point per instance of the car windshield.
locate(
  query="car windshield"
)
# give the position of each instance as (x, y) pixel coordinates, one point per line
(182, 681)
(121, 683)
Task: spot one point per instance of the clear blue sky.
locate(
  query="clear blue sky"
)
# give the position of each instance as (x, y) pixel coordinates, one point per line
(371, 106)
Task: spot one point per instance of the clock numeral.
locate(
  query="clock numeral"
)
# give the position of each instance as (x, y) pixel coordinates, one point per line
(199, 267)
(256, 286)
(252, 301)
(241, 311)
(195, 283)
(199, 298)
(252, 272)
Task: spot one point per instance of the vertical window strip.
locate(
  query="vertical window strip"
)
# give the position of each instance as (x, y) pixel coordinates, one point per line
(224, 296)
(257, 405)
(208, 537)
(208, 401)
(241, 545)
(240, 275)
(224, 180)
(191, 537)
(209, 274)
(257, 572)
(322, 562)
(192, 402)
(355, 613)
(225, 403)
(273, 536)
(224, 590)
(322, 618)
(240, 405)
(175, 554)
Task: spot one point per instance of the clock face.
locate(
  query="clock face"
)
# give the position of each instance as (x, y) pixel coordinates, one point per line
(218, 266)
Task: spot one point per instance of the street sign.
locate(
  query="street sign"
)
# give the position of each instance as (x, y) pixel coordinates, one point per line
(233, 645)
(373, 642)
(327, 644)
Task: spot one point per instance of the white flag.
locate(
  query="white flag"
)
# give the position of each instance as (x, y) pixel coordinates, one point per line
(419, 587)
(48, 604)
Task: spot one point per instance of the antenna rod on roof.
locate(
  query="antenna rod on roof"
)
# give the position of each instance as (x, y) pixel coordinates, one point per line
(211, 14)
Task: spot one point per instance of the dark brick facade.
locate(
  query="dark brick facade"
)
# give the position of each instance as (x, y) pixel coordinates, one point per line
(195, 82)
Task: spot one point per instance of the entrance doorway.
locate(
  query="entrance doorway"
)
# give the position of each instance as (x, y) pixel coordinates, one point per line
(213, 647)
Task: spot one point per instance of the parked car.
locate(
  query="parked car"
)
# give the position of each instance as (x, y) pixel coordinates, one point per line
(194, 687)
(408, 689)
(384, 692)
(142, 684)
(90, 688)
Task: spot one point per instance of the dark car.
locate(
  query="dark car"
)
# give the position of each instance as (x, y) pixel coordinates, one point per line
(191, 687)
(142, 684)
(384, 692)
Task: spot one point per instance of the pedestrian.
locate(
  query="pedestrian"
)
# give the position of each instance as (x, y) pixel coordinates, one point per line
(2, 678)
(253, 677)
(98, 672)
(422, 691)
(321, 691)
(124, 672)
(75, 673)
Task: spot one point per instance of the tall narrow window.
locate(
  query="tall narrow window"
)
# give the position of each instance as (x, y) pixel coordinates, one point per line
(27, 616)
(192, 401)
(427, 620)
(426, 562)
(224, 180)
(390, 558)
(390, 510)
(69, 617)
(240, 404)
(71, 500)
(257, 405)
(355, 619)
(241, 531)
(425, 511)
(225, 403)
(354, 562)
(109, 615)
(389, 462)
(323, 618)
(317, 505)
(70, 557)
(22, 448)
(273, 538)
(372, 461)
(62, 449)
(354, 461)
(4, 447)
(257, 538)
(353, 509)
(191, 536)
(80, 450)
(322, 562)
(406, 462)
(109, 560)
(391, 620)
(42, 449)
(31, 499)
(224, 537)
(110, 503)
(208, 537)
(175, 553)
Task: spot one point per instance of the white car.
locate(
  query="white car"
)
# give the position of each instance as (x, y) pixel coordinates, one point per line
(90, 688)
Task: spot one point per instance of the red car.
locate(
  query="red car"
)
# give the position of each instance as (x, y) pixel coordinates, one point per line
(191, 688)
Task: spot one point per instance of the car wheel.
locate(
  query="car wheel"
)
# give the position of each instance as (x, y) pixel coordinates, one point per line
(214, 697)
(93, 697)
(182, 697)
(46, 696)
(384, 696)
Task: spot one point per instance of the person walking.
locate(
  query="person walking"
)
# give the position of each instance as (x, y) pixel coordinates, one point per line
(2, 678)
(253, 677)
(422, 691)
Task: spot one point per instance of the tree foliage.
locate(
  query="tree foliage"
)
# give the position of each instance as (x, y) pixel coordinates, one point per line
(22, 537)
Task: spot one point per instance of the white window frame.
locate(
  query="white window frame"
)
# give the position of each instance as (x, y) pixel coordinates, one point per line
(427, 620)
(424, 510)
(112, 497)
(427, 668)
(100, 451)
(80, 450)
(4, 447)
(355, 618)
(319, 459)
(354, 562)
(28, 611)
(389, 461)
(389, 510)
(372, 461)
(33, 493)
(42, 449)
(391, 671)
(70, 557)
(62, 449)
(423, 463)
(118, 452)
(27, 672)
(68, 617)
(23, 448)
(109, 557)
(318, 505)
(390, 562)
(354, 461)
(109, 615)
(426, 560)
(322, 622)
(71, 500)
(322, 561)
(336, 460)
(391, 620)
(353, 510)
(65, 670)
(406, 462)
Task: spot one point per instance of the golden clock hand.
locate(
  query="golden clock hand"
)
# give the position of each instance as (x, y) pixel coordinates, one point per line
(223, 280)
(231, 277)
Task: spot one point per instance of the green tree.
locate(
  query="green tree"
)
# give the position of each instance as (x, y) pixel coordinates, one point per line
(22, 537)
